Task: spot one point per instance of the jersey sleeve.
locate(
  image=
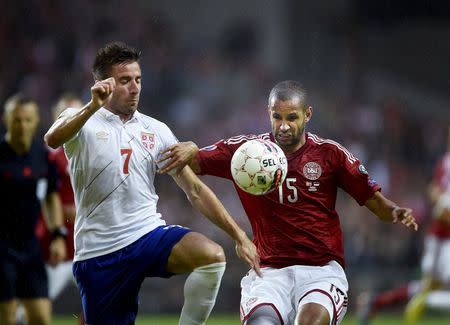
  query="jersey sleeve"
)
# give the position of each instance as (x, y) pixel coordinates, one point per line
(353, 177)
(215, 159)
(167, 138)
(71, 145)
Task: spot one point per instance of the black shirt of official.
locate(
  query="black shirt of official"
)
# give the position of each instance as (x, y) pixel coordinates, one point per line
(24, 181)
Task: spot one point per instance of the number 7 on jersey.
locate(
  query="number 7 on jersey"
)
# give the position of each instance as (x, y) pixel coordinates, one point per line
(127, 153)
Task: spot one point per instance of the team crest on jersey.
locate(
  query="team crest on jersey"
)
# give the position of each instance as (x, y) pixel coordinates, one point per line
(312, 170)
(148, 140)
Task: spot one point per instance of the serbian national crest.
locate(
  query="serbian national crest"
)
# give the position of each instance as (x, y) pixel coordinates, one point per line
(312, 170)
(148, 140)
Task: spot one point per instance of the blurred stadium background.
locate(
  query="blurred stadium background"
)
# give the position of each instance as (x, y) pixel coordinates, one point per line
(376, 71)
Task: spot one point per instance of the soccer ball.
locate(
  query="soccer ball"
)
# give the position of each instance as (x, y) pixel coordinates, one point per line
(258, 166)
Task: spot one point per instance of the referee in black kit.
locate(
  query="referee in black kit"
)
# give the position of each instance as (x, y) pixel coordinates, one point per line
(27, 178)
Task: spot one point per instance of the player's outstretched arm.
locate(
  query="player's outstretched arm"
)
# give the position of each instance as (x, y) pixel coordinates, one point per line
(387, 210)
(206, 202)
(66, 126)
(178, 156)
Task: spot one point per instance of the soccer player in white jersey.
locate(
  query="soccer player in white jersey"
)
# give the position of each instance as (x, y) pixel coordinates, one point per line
(120, 238)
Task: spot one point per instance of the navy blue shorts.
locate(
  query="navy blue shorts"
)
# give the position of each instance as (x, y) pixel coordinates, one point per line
(22, 271)
(109, 284)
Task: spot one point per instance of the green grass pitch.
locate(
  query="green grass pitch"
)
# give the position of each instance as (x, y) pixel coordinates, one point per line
(438, 319)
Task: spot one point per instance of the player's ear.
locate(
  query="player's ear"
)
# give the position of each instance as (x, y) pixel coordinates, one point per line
(308, 113)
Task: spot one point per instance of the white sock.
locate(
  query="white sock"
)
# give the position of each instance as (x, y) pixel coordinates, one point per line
(438, 299)
(200, 292)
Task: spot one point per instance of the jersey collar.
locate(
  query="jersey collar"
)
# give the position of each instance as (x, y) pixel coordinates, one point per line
(110, 116)
(296, 153)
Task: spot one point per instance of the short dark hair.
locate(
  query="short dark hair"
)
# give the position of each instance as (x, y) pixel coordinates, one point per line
(287, 89)
(111, 54)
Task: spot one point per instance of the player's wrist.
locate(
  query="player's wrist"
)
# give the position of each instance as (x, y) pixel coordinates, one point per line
(241, 237)
(92, 107)
(59, 232)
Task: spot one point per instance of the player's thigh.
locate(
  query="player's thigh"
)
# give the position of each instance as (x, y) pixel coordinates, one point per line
(193, 250)
(322, 306)
(272, 290)
(8, 312)
(39, 310)
(312, 313)
(321, 290)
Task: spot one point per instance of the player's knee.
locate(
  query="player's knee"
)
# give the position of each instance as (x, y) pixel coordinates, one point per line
(214, 254)
(312, 314)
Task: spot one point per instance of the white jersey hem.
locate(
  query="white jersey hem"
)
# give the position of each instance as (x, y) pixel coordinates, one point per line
(129, 241)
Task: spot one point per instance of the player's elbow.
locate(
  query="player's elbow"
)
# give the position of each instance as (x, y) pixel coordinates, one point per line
(51, 140)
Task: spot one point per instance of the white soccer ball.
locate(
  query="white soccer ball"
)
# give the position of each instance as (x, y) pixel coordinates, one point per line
(259, 166)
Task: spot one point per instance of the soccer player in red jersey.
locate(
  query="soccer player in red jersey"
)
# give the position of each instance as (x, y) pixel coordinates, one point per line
(296, 228)
(436, 257)
(432, 291)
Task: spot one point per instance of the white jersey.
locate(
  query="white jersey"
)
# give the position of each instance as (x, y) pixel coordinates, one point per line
(112, 169)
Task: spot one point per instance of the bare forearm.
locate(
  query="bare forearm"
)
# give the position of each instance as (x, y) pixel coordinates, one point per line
(206, 202)
(387, 210)
(381, 207)
(66, 128)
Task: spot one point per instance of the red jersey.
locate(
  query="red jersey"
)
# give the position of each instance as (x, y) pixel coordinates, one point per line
(66, 195)
(297, 224)
(441, 178)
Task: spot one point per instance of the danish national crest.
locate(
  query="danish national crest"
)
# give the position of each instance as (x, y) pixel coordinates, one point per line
(148, 140)
(312, 170)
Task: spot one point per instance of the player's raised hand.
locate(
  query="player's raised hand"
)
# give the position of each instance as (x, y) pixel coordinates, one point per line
(246, 250)
(405, 216)
(101, 92)
(177, 156)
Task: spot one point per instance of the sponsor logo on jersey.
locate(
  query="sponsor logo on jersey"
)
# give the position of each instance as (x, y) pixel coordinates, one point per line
(148, 140)
(312, 186)
(312, 170)
(102, 135)
(250, 301)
